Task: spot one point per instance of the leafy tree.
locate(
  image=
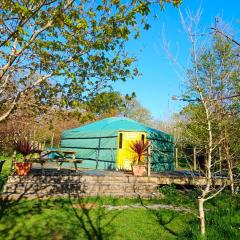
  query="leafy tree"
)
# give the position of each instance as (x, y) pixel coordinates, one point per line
(213, 98)
(104, 104)
(219, 71)
(134, 110)
(65, 50)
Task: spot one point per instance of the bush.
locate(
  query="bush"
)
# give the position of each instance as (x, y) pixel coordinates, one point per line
(169, 190)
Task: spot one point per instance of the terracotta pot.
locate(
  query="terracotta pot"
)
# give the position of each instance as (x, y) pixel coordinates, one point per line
(138, 170)
(23, 168)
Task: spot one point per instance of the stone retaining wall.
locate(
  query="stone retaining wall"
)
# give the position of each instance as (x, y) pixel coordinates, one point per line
(90, 185)
(79, 186)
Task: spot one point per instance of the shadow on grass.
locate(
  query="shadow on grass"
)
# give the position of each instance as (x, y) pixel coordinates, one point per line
(161, 217)
(55, 218)
(32, 220)
(95, 220)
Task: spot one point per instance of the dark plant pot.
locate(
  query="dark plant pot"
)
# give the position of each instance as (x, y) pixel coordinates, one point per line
(138, 170)
(23, 168)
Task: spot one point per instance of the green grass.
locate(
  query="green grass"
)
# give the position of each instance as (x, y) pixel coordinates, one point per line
(5, 170)
(6, 165)
(57, 219)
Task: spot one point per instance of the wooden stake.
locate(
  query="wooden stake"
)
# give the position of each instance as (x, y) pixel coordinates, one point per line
(220, 159)
(14, 159)
(52, 139)
(44, 143)
(98, 152)
(176, 157)
(149, 160)
(194, 159)
(34, 135)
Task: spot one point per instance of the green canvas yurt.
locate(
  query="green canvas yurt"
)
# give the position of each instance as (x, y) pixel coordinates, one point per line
(105, 144)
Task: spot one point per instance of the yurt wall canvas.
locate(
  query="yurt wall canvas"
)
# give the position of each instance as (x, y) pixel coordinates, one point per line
(97, 144)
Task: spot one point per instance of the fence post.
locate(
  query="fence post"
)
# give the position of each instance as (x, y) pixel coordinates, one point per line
(52, 139)
(220, 159)
(194, 159)
(44, 144)
(176, 157)
(149, 159)
(98, 152)
(14, 159)
(34, 135)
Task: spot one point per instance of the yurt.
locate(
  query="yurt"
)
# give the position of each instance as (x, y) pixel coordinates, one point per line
(104, 144)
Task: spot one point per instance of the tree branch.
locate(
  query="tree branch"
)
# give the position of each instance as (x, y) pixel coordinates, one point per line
(20, 94)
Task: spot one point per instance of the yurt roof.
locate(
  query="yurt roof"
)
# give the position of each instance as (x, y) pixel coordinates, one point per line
(110, 127)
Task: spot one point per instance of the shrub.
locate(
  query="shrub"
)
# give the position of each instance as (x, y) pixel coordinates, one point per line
(25, 147)
(139, 147)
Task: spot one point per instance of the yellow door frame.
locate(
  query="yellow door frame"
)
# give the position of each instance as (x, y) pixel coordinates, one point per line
(124, 155)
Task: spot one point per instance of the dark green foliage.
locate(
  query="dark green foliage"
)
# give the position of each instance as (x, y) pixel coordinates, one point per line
(182, 196)
(168, 190)
(104, 104)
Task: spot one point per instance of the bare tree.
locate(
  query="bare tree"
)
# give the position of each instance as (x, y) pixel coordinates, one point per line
(210, 94)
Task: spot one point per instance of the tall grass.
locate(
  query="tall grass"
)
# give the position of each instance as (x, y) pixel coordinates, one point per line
(222, 219)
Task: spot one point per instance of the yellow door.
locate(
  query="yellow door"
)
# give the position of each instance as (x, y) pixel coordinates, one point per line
(124, 153)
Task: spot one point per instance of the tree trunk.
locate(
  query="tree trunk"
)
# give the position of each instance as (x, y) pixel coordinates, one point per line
(229, 161)
(201, 216)
(230, 173)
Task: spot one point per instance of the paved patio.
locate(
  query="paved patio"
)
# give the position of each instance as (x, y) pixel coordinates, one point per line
(51, 169)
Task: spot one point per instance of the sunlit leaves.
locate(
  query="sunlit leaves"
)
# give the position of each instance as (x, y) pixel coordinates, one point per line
(81, 45)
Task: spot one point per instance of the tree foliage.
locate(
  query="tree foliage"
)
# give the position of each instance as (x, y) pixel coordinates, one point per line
(133, 109)
(219, 72)
(65, 50)
(213, 99)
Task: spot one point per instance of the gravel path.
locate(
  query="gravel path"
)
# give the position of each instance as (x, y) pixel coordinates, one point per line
(154, 207)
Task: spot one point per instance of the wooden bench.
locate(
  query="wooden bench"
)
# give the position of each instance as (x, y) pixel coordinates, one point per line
(66, 160)
(62, 156)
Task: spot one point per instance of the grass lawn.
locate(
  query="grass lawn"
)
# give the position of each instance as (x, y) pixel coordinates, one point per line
(5, 170)
(57, 219)
(60, 219)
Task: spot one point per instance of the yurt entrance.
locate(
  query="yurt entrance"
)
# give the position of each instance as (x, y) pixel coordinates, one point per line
(124, 153)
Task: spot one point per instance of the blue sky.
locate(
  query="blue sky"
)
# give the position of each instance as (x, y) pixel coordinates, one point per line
(159, 80)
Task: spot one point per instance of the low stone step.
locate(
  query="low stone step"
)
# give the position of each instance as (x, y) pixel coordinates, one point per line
(48, 186)
(82, 195)
(93, 179)
(33, 186)
(88, 188)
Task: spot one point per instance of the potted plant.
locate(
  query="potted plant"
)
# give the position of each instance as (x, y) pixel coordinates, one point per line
(139, 148)
(26, 148)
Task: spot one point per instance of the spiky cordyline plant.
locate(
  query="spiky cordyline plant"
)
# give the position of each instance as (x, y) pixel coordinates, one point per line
(25, 147)
(139, 147)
